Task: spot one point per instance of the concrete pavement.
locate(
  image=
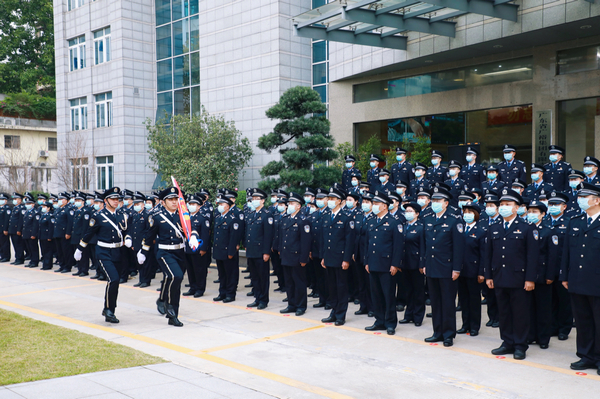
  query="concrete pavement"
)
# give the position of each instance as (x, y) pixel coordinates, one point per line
(297, 357)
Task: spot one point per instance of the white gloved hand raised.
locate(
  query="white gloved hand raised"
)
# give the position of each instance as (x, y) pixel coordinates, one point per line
(194, 243)
(77, 255)
(141, 258)
(128, 242)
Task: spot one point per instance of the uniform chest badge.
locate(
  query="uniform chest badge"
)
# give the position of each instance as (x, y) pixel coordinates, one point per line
(575, 228)
(307, 228)
(386, 224)
(555, 240)
(86, 217)
(444, 225)
(270, 220)
(519, 232)
(459, 227)
(23, 212)
(495, 232)
(151, 221)
(8, 212)
(351, 225)
(92, 222)
(241, 216)
(536, 235)
(37, 217)
(235, 226)
(207, 223)
(72, 213)
(400, 228)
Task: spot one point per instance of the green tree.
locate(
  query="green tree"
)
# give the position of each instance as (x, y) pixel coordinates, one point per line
(343, 149)
(371, 146)
(205, 152)
(421, 151)
(28, 105)
(27, 46)
(303, 139)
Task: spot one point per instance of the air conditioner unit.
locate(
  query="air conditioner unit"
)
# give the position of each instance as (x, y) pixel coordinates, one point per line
(42, 164)
(44, 154)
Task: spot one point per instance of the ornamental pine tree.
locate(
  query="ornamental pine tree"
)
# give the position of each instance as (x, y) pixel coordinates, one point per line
(303, 140)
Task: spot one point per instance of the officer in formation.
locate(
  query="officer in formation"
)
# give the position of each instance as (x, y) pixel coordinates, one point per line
(198, 260)
(350, 162)
(473, 173)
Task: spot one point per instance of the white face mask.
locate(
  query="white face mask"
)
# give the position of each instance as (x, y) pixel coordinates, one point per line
(331, 204)
(291, 209)
(255, 204)
(422, 202)
(221, 209)
(418, 173)
(376, 209)
(138, 208)
(191, 208)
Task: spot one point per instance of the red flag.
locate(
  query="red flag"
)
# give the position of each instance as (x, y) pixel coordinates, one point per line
(184, 214)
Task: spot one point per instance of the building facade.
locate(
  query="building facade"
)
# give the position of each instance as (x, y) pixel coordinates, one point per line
(456, 72)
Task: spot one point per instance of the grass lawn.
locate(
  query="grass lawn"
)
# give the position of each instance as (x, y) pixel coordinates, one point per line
(33, 350)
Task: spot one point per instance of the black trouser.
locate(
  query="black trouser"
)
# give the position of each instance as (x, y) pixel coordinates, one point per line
(228, 276)
(442, 292)
(295, 280)
(492, 303)
(514, 311)
(541, 314)
(58, 247)
(383, 290)
(125, 264)
(562, 314)
(83, 265)
(311, 275)
(469, 295)
(278, 269)
(4, 246)
(47, 247)
(400, 289)
(33, 248)
(415, 295)
(68, 251)
(322, 285)
(172, 264)
(17, 242)
(99, 270)
(586, 309)
(109, 260)
(364, 288)
(338, 292)
(197, 271)
(352, 281)
(259, 275)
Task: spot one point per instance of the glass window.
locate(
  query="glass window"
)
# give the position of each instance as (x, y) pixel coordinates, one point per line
(164, 107)
(181, 37)
(319, 73)
(105, 172)
(163, 42)
(12, 142)
(322, 90)
(195, 68)
(180, 9)
(164, 75)
(102, 45)
(195, 100)
(480, 75)
(78, 109)
(193, 7)
(194, 33)
(77, 53)
(104, 109)
(576, 127)
(578, 59)
(182, 102)
(319, 51)
(181, 71)
(52, 144)
(163, 11)
(80, 173)
(73, 4)
(318, 3)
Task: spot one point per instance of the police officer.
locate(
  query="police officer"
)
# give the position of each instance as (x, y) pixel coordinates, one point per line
(402, 170)
(361, 222)
(31, 227)
(402, 188)
(350, 161)
(80, 223)
(519, 186)
(511, 268)
(5, 212)
(373, 173)
(98, 206)
(198, 260)
(165, 227)
(225, 249)
(338, 248)
(511, 168)
(437, 173)
(138, 223)
(576, 177)
(419, 180)
(413, 265)
(493, 181)
(444, 246)
(68, 248)
(579, 274)
(316, 250)
(424, 201)
(384, 250)
(278, 215)
(557, 170)
(294, 248)
(492, 205)
(352, 209)
(258, 239)
(590, 169)
(46, 232)
(109, 226)
(15, 228)
(534, 190)
(384, 182)
(455, 183)
(472, 173)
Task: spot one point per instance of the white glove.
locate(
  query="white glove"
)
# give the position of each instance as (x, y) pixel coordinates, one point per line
(193, 243)
(128, 242)
(77, 255)
(141, 258)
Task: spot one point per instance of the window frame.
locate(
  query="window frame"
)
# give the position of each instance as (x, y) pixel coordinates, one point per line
(105, 169)
(78, 109)
(102, 39)
(77, 46)
(14, 140)
(48, 146)
(104, 109)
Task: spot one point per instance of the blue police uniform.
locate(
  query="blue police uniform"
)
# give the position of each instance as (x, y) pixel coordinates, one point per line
(512, 257)
(347, 177)
(258, 242)
(46, 234)
(416, 183)
(317, 222)
(373, 176)
(15, 228)
(361, 223)
(412, 268)
(437, 174)
(197, 263)
(557, 174)
(488, 293)
(510, 171)
(81, 220)
(469, 289)
(5, 212)
(386, 188)
(494, 185)
(533, 191)
(294, 247)
(226, 239)
(138, 225)
(473, 175)
(402, 171)
(31, 227)
(275, 257)
(69, 246)
(456, 186)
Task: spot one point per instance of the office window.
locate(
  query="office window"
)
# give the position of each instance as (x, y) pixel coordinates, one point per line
(102, 45)
(105, 170)
(78, 113)
(12, 142)
(77, 53)
(73, 4)
(163, 42)
(163, 11)
(52, 144)
(578, 59)
(164, 78)
(80, 173)
(104, 109)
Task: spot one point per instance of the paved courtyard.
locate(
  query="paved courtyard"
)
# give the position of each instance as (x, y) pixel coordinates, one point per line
(228, 350)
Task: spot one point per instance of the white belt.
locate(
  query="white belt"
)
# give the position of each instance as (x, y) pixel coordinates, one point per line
(171, 247)
(110, 244)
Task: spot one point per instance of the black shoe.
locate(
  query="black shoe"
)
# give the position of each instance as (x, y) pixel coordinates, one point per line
(144, 285)
(102, 278)
(261, 306)
(140, 283)
(459, 308)
(123, 281)
(405, 321)
(418, 324)
(357, 302)
(218, 298)
(65, 271)
(519, 355)
(429, 315)
(159, 289)
(582, 365)
(496, 324)
(312, 295)
(109, 316)
(228, 299)
(74, 274)
(287, 310)
(217, 281)
(174, 321)
(563, 337)
(133, 274)
(340, 322)
(251, 293)
(278, 289)
(56, 271)
(461, 331)
(246, 271)
(399, 308)
(247, 278)
(319, 305)
(248, 286)
(300, 312)
(276, 282)
(375, 327)
(284, 300)
(272, 274)
(329, 319)
(160, 306)
(327, 307)
(544, 346)
(473, 333)
(187, 286)
(19, 263)
(170, 312)
(448, 342)
(427, 302)
(198, 294)
(391, 331)
(484, 302)
(189, 293)
(433, 338)
(252, 305)
(360, 311)
(4, 260)
(502, 350)
(371, 314)
(489, 323)
(84, 274)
